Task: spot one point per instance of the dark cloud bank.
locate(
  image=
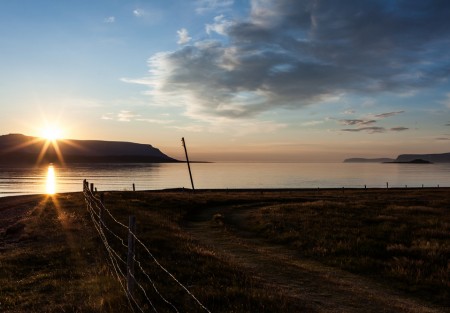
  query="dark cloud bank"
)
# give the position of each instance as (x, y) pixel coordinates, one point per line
(294, 53)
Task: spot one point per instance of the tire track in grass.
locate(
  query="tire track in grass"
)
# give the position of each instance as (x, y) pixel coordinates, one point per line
(323, 288)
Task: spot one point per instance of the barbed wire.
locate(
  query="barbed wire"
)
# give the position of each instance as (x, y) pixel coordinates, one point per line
(94, 204)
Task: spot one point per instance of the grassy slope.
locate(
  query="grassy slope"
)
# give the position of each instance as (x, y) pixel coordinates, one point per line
(56, 262)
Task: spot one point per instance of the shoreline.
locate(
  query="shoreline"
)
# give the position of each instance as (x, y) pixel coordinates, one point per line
(244, 190)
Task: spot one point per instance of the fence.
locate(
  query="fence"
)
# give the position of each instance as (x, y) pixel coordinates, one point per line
(126, 270)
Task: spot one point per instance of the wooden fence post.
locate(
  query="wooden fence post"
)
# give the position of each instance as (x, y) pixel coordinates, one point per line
(387, 185)
(134, 187)
(92, 188)
(100, 211)
(130, 255)
(187, 161)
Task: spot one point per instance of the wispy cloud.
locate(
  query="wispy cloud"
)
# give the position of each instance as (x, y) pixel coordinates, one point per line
(203, 6)
(220, 26)
(183, 36)
(356, 122)
(122, 116)
(126, 116)
(388, 114)
(154, 121)
(370, 130)
(139, 12)
(109, 19)
(234, 128)
(312, 123)
(448, 124)
(443, 138)
(399, 129)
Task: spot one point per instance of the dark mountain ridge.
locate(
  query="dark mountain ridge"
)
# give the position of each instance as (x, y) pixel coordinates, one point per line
(435, 158)
(18, 148)
(406, 158)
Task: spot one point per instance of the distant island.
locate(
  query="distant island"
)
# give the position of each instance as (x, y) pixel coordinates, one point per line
(18, 148)
(406, 158)
(363, 160)
(415, 161)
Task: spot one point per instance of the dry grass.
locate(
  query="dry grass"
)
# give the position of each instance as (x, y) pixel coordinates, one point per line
(399, 238)
(52, 260)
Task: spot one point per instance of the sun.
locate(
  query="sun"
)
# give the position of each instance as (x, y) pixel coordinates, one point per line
(51, 133)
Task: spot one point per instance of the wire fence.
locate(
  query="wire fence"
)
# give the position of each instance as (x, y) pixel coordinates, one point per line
(133, 274)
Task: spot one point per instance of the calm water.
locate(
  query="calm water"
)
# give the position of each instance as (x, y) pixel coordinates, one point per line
(50, 179)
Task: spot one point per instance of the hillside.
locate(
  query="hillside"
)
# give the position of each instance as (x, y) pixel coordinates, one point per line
(17, 148)
(435, 158)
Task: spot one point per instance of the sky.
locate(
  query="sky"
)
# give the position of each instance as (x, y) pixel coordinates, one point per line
(241, 81)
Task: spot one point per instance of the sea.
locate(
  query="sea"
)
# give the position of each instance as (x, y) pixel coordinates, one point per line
(158, 176)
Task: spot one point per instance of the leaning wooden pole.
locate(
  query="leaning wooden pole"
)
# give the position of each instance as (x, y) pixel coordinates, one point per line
(187, 161)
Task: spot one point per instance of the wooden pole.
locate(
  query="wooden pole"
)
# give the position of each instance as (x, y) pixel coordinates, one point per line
(187, 161)
(92, 188)
(134, 187)
(130, 255)
(100, 211)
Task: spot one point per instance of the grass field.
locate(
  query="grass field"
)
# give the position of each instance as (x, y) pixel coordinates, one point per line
(52, 259)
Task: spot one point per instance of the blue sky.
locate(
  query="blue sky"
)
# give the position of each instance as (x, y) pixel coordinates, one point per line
(240, 80)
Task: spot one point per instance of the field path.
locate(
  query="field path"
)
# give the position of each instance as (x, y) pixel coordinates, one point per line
(319, 287)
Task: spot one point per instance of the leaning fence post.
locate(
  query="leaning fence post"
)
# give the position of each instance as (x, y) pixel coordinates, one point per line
(130, 255)
(92, 188)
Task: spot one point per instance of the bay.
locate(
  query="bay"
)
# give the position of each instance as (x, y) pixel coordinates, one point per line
(53, 178)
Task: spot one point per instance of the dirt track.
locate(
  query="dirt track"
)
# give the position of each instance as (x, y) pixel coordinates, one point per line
(320, 288)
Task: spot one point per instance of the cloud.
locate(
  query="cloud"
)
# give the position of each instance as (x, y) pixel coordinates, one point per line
(107, 116)
(122, 116)
(154, 121)
(220, 26)
(109, 19)
(370, 130)
(448, 124)
(126, 116)
(312, 123)
(398, 129)
(443, 138)
(349, 112)
(292, 54)
(388, 114)
(139, 13)
(356, 122)
(233, 128)
(183, 36)
(374, 129)
(204, 6)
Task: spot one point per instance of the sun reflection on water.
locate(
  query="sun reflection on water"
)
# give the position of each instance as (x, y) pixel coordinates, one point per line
(51, 180)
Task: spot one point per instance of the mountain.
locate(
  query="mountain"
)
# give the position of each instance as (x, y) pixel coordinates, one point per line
(435, 158)
(364, 160)
(18, 148)
(406, 158)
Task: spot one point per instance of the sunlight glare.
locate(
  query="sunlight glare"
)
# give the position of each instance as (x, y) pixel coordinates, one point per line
(51, 180)
(51, 133)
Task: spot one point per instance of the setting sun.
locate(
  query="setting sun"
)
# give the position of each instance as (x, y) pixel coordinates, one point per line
(51, 133)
